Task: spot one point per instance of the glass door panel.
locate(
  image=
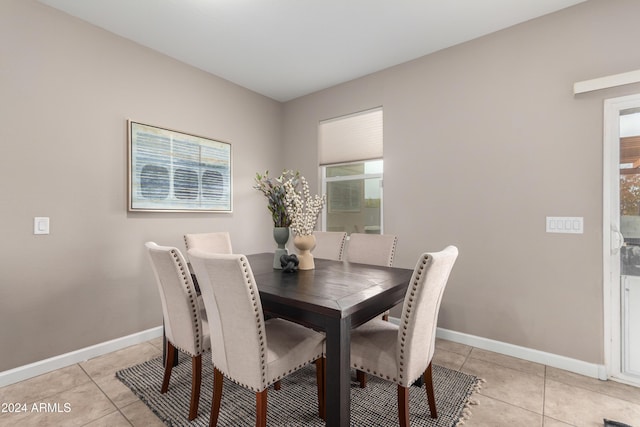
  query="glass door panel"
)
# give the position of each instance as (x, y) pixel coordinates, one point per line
(630, 230)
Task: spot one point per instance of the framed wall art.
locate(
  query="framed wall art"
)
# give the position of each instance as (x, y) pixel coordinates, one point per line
(172, 171)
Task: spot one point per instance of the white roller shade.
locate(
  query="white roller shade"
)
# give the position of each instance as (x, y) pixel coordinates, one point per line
(351, 138)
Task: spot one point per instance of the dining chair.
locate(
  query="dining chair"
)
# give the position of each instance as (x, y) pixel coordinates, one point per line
(218, 242)
(329, 245)
(372, 249)
(185, 323)
(403, 353)
(250, 351)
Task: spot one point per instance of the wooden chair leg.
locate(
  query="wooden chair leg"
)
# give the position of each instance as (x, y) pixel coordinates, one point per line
(261, 408)
(362, 378)
(403, 406)
(385, 317)
(168, 365)
(217, 396)
(320, 380)
(196, 378)
(431, 397)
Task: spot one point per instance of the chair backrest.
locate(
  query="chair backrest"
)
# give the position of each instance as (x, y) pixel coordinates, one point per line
(373, 249)
(234, 311)
(182, 321)
(218, 242)
(416, 338)
(329, 244)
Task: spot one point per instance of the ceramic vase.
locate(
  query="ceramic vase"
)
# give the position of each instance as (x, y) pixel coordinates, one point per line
(281, 236)
(304, 245)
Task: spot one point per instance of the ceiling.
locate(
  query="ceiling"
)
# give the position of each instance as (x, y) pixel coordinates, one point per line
(284, 49)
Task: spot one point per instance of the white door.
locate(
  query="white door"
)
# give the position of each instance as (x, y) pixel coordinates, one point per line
(622, 236)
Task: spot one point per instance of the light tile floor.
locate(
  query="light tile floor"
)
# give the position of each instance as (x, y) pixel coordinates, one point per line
(516, 393)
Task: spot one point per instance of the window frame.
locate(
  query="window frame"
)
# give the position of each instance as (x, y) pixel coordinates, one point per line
(364, 176)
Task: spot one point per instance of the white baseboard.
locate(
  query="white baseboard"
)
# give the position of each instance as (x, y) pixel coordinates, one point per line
(561, 362)
(47, 365)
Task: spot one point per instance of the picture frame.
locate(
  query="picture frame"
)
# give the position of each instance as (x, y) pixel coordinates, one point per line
(172, 171)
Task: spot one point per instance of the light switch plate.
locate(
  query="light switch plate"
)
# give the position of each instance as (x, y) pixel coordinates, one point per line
(565, 224)
(41, 225)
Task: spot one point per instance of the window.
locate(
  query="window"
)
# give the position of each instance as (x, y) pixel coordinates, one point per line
(350, 149)
(354, 197)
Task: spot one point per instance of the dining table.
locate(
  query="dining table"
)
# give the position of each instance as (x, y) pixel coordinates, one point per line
(334, 297)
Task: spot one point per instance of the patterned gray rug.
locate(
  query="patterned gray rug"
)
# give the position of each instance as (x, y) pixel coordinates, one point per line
(296, 403)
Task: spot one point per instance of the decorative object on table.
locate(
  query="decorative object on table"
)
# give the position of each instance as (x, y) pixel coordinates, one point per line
(273, 189)
(289, 263)
(303, 210)
(281, 236)
(304, 244)
(172, 171)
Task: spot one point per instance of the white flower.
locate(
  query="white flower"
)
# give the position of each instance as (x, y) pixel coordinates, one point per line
(303, 210)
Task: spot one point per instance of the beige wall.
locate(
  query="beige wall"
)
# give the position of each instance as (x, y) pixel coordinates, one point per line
(482, 141)
(66, 90)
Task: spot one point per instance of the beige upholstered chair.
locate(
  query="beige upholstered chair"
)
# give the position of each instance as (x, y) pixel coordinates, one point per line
(373, 249)
(218, 242)
(185, 324)
(402, 354)
(245, 348)
(329, 244)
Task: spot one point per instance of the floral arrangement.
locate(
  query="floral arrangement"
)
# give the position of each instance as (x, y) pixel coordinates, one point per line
(274, 190)
(303, 210)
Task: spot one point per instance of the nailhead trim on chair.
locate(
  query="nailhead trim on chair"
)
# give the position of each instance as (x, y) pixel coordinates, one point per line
(192, 300)
(393, 251)
(407, 315)
(341, 253)
(251, 287)
(274, 379)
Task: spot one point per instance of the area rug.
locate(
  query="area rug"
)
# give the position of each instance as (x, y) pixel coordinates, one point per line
(296, 404)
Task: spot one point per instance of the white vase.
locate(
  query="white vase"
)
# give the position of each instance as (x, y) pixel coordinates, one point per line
(304, 245)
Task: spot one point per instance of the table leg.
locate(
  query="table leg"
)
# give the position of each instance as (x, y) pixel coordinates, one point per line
(338, 373)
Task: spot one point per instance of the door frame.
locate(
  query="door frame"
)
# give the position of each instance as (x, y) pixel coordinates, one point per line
(611, 237)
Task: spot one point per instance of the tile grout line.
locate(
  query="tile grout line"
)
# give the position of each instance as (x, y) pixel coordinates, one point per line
(520, 373)
(606, 393)
(108, 398)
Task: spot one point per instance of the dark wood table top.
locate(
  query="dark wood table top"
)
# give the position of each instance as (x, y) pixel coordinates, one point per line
(333, 289)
